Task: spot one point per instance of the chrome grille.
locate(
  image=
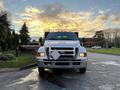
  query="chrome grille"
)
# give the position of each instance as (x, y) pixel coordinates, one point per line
(47, 52)
(66, 53)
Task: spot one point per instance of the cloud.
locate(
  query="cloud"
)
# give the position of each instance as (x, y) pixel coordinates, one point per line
(116, 20)
(103, 11)
(1, 6)
(103, 17)
(52, 10)
(56, 17)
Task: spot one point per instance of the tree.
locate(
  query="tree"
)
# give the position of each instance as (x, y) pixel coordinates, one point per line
(100, 38)
(15, 39)
(24, 37)
(8, 40)
(5, 31)
(112, 37)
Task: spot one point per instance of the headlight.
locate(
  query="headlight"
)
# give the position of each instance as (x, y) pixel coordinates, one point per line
(83, 54)
(40, 54)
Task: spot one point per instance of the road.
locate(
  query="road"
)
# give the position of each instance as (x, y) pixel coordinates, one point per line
(103, 73)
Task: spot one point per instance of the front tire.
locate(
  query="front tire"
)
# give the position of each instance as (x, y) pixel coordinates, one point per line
(82, 70)
(41, 72)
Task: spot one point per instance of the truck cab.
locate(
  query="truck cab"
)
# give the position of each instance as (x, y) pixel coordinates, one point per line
(61, 50)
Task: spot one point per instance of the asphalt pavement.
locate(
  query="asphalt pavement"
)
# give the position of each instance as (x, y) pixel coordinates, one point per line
(103, 73)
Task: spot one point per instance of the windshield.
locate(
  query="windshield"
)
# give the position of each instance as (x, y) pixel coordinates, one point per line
(61, 36)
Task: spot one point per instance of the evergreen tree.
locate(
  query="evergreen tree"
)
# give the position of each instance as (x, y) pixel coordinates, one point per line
(8, 40)
(24, 37)
(5, 31)
(15, 39)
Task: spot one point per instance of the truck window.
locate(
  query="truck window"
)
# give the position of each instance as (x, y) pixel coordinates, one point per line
(61, 36)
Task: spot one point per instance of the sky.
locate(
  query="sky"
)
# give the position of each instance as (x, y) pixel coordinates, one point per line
(84, 16)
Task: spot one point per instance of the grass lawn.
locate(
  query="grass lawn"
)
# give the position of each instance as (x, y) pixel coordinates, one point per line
(22, 60)
(114, 51)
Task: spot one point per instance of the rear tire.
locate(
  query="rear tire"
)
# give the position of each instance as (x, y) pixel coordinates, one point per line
(41, 72)
(82, 70)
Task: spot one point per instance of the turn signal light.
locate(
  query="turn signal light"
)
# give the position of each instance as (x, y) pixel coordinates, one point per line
(83, 54)
(40, 54)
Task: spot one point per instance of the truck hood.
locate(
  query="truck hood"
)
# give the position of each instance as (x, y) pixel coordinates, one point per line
(61, 43)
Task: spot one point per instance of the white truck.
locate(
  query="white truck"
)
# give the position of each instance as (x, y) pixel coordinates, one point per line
(61, 50)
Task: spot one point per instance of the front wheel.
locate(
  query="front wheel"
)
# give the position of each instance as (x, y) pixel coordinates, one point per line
(41, 72)
(82, 70)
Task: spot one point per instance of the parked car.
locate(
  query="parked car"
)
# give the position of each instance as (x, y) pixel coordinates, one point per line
(96, 47)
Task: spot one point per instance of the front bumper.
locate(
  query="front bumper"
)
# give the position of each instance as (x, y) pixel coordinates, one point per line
(62, 64)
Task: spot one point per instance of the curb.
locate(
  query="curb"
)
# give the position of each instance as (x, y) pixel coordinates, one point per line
(28, 66)
(8, 70)
(105, 53)
(2, 70)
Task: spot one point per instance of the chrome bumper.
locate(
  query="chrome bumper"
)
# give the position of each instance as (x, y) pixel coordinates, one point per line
(62, 64)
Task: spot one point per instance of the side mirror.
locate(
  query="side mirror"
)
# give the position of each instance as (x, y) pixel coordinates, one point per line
(41, 41)
(81, 44)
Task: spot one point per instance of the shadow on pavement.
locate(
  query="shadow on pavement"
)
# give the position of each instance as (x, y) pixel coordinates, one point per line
(30, 80)
(57, 76)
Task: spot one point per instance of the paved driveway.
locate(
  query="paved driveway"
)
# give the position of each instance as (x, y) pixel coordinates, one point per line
(103, 73)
